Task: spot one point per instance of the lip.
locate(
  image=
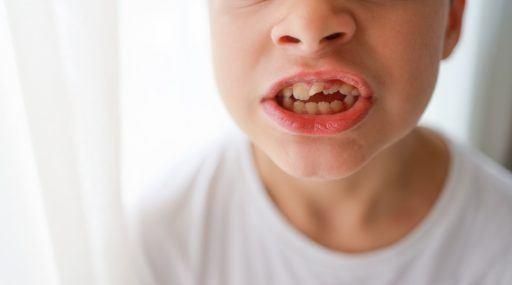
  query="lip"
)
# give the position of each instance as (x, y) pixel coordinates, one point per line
(318, 125)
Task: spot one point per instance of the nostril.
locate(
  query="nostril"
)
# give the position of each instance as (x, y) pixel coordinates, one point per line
(288, 40)
(333, 37)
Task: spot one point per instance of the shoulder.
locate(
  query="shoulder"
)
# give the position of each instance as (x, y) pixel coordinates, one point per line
(491, 182)
(171, 218)
(484, 226)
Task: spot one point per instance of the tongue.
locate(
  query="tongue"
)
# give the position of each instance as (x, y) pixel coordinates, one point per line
(321, 97)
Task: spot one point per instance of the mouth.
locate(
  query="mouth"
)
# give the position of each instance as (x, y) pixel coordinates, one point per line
(319, 103)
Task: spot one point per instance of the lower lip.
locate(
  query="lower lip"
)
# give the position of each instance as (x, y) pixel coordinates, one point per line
(317, 125)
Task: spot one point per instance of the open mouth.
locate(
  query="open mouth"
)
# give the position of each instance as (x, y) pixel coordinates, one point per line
(319, 103)
(318, 98)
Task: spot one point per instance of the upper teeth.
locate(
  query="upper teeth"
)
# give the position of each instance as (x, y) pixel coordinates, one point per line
(315, 88)
(303, 91)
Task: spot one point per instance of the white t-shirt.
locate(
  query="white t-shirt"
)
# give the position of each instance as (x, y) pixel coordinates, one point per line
(211, 222)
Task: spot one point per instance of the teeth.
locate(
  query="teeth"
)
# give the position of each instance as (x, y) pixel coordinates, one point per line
(332, 90)
(303, 91)
(355, 92)
(288, 103)
(349, 100)
(317, 87)
(300, 91)
(324, 108)
(288, 92)
(346, 89)
(311, 108)
(298, 107)
(336, 106)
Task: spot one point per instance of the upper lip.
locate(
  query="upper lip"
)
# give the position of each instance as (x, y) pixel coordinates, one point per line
(321, 75)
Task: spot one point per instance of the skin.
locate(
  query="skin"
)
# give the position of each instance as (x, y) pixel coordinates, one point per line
(367, 187)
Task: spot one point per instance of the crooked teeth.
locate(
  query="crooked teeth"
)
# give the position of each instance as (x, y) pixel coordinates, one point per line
(332, 90)
(303, 91)
(300, 91)
(346, 89)
(317, 87)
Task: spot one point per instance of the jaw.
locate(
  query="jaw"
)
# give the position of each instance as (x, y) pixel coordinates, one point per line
(320, 159)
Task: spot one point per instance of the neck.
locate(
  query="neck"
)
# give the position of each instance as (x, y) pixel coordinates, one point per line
(384, 188)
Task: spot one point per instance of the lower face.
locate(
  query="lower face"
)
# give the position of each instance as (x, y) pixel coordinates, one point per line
(324, 116)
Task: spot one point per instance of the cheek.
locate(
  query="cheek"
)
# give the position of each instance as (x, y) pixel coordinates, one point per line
(409, 53)
(239, 44)
(239, 58)
(235, 58)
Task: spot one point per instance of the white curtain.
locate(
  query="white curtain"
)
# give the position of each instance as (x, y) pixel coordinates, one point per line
(61, 215)
(170, 104)
(492, 120)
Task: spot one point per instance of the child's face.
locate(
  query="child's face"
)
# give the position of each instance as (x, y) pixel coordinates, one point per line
(389, 49)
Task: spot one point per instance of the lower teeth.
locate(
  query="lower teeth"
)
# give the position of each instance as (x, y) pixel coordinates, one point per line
(320, 108)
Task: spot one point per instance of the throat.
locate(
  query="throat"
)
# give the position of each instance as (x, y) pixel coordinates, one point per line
(358, 214)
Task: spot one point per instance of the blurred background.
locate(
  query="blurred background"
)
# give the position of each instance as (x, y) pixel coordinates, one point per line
(98, 98)
(170, 104)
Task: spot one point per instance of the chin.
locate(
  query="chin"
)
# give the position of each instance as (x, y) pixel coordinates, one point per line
(319, 161)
